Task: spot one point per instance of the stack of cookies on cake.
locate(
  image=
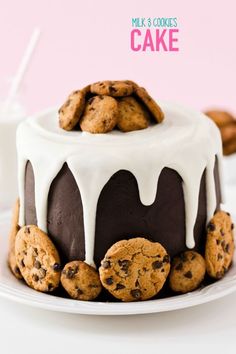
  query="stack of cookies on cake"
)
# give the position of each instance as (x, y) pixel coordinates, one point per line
(105, 105)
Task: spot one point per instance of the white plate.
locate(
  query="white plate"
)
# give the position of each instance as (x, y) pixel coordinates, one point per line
(13, 289)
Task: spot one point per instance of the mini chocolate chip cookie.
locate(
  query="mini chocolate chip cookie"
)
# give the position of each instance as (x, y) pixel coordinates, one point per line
(187, 272)
(37, 259)
(149, 102)
(135, 269)
(12, 238)
(100, 115)
(81, 281)
(112, 88)
(221, 118)
(219, 245)
(132, 115)
(72, 109)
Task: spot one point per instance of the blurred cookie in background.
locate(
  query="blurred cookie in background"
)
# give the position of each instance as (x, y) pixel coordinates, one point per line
(226, 122)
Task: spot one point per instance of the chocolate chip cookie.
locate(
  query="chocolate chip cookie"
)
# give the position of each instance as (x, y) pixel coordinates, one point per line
(12, 238)
(219, 245)
(221, 118)
(72, 109)
(37, 259)
(100, 115)
(81, 281)
(132, 115)
(112, 88)
(187, 272)
(149, 102)
(135, 269)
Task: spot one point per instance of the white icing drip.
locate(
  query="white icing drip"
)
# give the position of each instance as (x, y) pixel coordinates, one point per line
(186, 141)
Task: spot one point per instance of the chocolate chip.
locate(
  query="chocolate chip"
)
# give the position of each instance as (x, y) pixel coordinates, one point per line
(109, 281)
(119, 286)
(217, 242)
(37, 264)
(79, 291)
(227, 248)
(223, 244)
(56, 267)
(50, 287)
(17, 270)
(90, 100)
(112, 89)
(124, 264)
(35, 277)
(22, 263)
(219, 256)
(188, 274)
(70, 273)
(166, 259)
(222, 232)
(136, 293)
(228, 214)
(137, 284)
(157, 265)
(27, 230)
(232, 226)
(211, 226)
(179, 266)
(106, 264)
(162, 270)
(36, 251)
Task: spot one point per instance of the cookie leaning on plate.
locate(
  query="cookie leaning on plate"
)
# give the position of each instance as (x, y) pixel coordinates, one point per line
(219, 245)
(81, 281)
(187, 272)
(37, 259)
(12, 239)
(135, 269)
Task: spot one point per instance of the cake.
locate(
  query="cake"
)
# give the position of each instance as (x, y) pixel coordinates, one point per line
(88, 191)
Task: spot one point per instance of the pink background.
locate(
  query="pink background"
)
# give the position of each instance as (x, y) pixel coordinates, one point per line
(85, 41)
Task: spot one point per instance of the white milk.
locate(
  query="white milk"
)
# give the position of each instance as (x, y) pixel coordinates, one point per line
(8, 160)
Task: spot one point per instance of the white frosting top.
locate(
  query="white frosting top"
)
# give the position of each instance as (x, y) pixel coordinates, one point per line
(185, 141)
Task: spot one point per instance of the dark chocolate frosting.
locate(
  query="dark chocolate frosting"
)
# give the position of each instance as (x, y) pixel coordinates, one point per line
(120, 213)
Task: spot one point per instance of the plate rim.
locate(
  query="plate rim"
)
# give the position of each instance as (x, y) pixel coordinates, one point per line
(27, 296)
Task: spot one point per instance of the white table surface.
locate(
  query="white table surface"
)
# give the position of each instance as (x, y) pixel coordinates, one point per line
(208, 328)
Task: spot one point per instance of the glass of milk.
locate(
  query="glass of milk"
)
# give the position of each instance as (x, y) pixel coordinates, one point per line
(8, 161)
